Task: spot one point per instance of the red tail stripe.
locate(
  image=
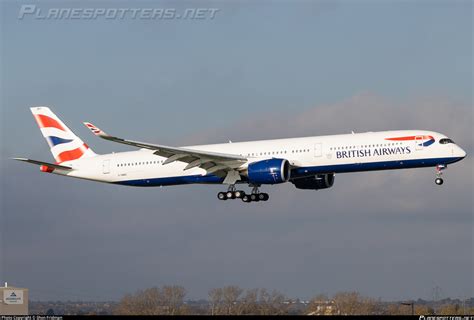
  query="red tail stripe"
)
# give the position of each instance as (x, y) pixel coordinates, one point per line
(47, 122)
(72, 154)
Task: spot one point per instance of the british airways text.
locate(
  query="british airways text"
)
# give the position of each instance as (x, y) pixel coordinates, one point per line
(372, 152)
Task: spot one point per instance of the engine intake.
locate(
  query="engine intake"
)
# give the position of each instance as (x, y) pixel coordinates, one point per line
(271, 171)
(320, 181)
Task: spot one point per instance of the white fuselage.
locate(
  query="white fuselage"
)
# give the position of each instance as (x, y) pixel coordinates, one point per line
(307, 156)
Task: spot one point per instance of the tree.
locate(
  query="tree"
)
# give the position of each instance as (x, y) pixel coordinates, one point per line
(248, 304)
(173, 299)
(230, 296)
(352, 303)
(232, 300)
(422, 310)
(450, 309)
(319, 304)
(215, 301)
(153, 301)
(394, 309)
(143, 302)
(272, 303)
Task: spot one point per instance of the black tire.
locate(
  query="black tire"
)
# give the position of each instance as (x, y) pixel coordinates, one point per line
(439, 181)
(264, 196)
(254, 197)
(239, 194)
(230, 195)
(246, 198)
(222, 196)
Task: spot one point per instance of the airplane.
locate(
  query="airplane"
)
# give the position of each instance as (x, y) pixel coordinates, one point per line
(309, 163)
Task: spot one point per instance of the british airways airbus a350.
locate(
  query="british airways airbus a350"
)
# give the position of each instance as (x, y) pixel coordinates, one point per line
(309, 163)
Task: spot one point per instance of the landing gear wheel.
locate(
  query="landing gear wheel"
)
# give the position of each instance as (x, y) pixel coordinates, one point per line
(254, 197)
(246, 198)
(239, 194)
(230, 195)
(439, 172)
(222, 196)
(263, 196)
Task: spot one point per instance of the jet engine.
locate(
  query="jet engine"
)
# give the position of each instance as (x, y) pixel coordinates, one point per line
(320, 181)
(270, 171)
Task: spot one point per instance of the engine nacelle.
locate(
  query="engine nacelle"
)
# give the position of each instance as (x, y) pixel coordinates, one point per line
(269, 171)
(320, 181)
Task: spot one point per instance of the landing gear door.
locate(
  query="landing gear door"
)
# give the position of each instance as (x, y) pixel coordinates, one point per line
(419, 143)
(106, 167)
(318, 150)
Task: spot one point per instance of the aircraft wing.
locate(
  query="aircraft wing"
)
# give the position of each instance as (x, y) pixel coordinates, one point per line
(213, 162)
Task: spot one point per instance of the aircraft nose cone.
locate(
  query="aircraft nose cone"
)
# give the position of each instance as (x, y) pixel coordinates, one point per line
(461, 153)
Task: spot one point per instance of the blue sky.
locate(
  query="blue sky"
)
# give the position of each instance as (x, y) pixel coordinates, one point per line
(257, 70)
(251, 57)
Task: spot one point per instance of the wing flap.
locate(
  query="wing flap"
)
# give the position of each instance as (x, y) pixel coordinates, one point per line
(210, 161)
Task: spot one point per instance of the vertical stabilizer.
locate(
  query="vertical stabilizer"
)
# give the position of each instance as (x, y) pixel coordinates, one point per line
(64, 144)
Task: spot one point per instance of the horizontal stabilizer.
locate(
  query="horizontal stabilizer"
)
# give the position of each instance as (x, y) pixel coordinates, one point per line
(42, 163)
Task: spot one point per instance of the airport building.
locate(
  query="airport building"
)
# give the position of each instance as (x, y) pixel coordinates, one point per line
(13, 301)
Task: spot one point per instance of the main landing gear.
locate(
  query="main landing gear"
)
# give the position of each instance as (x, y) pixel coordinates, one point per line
(232, 193)
(439, 172)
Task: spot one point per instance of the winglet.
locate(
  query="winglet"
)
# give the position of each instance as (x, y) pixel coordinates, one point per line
(96, 131)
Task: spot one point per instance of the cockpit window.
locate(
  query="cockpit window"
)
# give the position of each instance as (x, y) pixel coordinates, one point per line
(445, 141)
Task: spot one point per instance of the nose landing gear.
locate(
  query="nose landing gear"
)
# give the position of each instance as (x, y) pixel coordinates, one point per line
(439, 172)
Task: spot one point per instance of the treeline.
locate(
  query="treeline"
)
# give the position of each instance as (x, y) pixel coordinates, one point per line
(168, 300)
(233, 300)
(229, 300)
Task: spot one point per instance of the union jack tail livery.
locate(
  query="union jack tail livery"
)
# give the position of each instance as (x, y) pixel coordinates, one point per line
(64, 144)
